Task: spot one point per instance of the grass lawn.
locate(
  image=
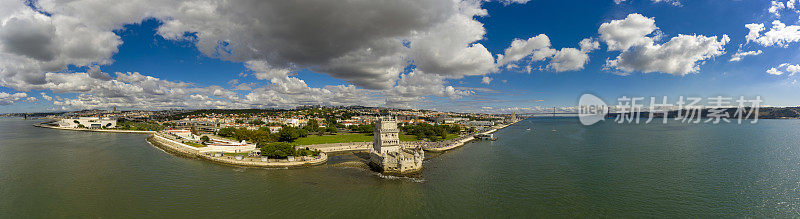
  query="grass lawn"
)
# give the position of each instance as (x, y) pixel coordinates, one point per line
(404, 137)
(343, 138)
(448, 137)
(234, 154)
(195, 144)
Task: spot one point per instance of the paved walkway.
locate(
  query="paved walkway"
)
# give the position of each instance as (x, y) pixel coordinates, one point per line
(178, 148)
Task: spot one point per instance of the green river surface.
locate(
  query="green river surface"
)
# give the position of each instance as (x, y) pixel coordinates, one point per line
(604, 170)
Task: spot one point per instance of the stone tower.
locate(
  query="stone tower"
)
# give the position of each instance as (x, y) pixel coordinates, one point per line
(386, 136)
(388, 155)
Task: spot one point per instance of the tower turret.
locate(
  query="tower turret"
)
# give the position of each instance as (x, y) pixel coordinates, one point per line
(386, 136)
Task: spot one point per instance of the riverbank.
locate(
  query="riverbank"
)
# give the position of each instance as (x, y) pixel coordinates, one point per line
(47, 125)
(340, 147)
(440, 146)
(180, 149)
(184, 150)
(458, 142)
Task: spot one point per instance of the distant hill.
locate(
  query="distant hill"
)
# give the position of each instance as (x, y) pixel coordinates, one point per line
(763, 113)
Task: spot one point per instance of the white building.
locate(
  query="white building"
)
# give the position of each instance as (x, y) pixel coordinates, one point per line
(479, 123)
(275, 129)
(88, 122)
(449, 120)
(388, 156)
(292, 122)
(183, 133)
(214, 145)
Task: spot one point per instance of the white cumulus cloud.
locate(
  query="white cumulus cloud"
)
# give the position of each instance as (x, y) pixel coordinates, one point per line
(635, 37)
(741, 54)
(792, 69)
(538, 48)
(365, 43)
(486, 80)
(8, 99)
(671, 2)
(779, 34)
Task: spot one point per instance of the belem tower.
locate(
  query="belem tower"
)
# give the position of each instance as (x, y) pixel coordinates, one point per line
(388, 155)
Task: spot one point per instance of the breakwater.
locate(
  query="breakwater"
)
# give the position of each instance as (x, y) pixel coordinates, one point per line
(177, 148)
(47, 125)
(439, 146)
(340, 147)
(457, 142)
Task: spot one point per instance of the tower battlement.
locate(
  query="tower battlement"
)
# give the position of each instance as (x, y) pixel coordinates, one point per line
(387, 153)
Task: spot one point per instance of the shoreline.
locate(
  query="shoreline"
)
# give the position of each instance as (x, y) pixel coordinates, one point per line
(45, 125)
(461, 142)
(183, 150)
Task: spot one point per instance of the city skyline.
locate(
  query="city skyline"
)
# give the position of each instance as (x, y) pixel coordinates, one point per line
(464, 56)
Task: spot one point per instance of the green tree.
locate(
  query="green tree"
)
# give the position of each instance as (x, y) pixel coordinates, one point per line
(331, 129)
(303, 133)
(277, 150)
(226, 132)
(312, 126)
(362, 128)
(331, 121)
(288, 134)
(432, 132)
(306, 152)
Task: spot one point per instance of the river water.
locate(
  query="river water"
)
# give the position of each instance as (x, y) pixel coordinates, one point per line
(609, 170)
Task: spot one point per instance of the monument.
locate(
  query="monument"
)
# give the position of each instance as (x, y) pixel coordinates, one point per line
(388, 155)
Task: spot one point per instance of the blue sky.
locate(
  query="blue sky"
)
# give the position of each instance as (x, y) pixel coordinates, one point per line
(246, 65)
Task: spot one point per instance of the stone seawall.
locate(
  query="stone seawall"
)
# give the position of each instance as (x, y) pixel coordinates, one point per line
(273, 163)
(339, 147)
(458, 142)
(440, 146)
(184, 150)
(45, 125)
(452, 144)
(171, 146)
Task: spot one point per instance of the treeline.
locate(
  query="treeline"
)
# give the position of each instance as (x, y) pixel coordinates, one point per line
(431, 132)
(284, 149)
(286, 134)
(139, 126)
(225, 111)
(361, 128)
(261, 135)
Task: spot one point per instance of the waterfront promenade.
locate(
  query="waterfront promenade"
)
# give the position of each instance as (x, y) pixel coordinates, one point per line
(174, 147)
(340, 147)
(439, 146)
(48, 125)
(458, 142)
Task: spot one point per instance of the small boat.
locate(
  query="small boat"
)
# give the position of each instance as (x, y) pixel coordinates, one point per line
(528, 129)
(485, 137)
